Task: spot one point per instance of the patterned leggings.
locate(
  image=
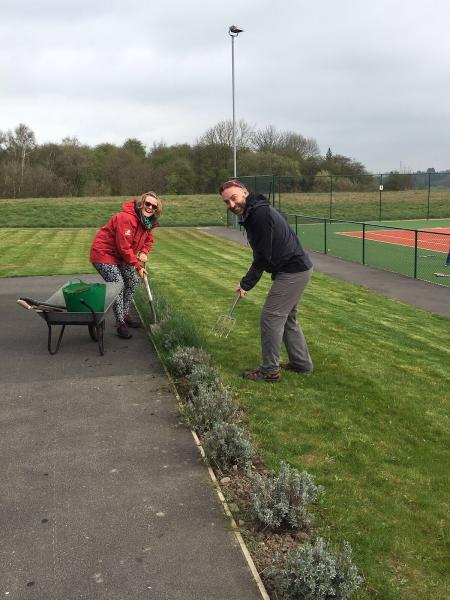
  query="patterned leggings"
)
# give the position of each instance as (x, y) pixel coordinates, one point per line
(128, 277)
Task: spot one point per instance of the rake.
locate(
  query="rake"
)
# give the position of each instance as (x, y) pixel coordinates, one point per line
(225, 323)
(150, 298)
(441, 274)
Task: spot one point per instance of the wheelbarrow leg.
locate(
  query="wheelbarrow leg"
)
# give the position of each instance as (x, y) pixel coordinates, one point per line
(96, 329)
(100, 330)
(49, 339)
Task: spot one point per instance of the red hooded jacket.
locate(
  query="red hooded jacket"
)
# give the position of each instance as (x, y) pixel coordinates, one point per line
(122, 238)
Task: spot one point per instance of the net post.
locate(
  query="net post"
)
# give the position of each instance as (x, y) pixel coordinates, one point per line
(325, 237)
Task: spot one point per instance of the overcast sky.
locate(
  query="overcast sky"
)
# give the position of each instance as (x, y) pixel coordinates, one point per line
(368, 78)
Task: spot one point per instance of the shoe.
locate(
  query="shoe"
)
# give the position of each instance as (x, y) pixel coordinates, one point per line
(258, 375)
(132, 323)
(123, 332)
(288, 367)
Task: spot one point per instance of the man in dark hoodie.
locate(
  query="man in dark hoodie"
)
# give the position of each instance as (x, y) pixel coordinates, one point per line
(276, 250)
(120, 250)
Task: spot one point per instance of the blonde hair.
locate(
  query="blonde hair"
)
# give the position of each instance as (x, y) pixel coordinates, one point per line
(158, 211)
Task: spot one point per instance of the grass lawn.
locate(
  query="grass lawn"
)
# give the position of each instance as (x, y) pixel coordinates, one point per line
(371, 423)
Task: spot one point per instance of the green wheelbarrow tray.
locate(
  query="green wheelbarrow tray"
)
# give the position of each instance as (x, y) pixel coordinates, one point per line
(95, 321)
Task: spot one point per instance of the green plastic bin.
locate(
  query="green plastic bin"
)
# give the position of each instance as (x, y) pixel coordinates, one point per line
(92, 293)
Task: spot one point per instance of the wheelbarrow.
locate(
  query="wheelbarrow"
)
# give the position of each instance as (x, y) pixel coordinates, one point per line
(54, 312)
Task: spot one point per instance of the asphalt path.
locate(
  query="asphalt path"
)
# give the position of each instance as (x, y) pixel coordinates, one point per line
(104, 495)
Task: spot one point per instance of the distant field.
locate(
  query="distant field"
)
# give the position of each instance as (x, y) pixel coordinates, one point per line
(95, 212)
(208, 209)
(408, 204)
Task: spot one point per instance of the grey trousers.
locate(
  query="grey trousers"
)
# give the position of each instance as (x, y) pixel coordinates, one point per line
(279, 323)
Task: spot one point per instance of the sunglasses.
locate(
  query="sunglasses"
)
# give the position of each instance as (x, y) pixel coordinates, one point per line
(151, 205)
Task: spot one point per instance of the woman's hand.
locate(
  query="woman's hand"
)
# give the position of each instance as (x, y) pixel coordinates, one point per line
(142, 257)
(242, 292)
(142, 272)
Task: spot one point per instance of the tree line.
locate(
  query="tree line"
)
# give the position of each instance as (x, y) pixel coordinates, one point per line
(70, 168)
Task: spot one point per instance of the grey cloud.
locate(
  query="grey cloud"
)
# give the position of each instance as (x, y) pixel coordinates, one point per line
(371, 80)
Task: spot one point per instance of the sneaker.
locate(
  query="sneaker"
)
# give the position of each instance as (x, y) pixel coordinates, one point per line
(258, 375)
(123, 332)
(289, 367)
(132, 322)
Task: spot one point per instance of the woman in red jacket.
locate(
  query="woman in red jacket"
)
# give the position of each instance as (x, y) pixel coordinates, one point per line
(120, 249)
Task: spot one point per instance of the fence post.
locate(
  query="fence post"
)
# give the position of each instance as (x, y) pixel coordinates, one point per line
(429, 189)
(279, 192)
(296, 227)
(416, 236)
(381, 191)
(331, 196)
(325, 237)
(364, 245)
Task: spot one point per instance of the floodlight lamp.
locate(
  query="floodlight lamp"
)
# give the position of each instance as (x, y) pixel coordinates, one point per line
(234, 30)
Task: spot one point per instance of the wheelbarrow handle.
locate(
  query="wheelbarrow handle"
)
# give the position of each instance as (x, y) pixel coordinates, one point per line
(21, 302)
(29, 304)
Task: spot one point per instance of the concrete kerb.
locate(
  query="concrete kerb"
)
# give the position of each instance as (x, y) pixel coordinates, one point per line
(215, 482)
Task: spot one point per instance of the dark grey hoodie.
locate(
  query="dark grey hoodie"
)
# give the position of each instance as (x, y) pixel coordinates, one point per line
(276, 248)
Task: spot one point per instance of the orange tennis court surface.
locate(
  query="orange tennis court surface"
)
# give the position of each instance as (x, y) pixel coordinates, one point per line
(437, 239)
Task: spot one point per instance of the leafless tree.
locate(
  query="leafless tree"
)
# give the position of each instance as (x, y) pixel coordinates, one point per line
(222, 134)
(299, 145)
(267, 140)
(18, 145)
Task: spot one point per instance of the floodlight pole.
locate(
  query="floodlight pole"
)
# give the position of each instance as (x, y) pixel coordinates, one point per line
(233, 32)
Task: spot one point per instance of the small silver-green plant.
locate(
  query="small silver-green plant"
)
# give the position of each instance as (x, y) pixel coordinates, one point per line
(203, 375)
(282, 500)
(227, 446)
(184, 359)
(312, 572)
(208, 406)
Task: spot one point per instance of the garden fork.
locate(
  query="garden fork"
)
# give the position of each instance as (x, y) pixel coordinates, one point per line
(225, 323)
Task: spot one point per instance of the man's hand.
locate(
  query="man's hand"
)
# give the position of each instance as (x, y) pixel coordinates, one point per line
(142, 257)
(242, 292)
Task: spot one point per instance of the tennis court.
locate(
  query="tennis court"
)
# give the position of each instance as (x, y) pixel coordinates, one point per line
(413, 248)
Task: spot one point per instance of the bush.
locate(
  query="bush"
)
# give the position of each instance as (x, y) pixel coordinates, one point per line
(311, 572)
(280, 500)
(185, 359)
(207, 407)
(227, 446)
(204, 375)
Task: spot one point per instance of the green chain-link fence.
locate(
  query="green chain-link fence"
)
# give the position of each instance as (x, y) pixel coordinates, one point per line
(422, 254)
(358, 197)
